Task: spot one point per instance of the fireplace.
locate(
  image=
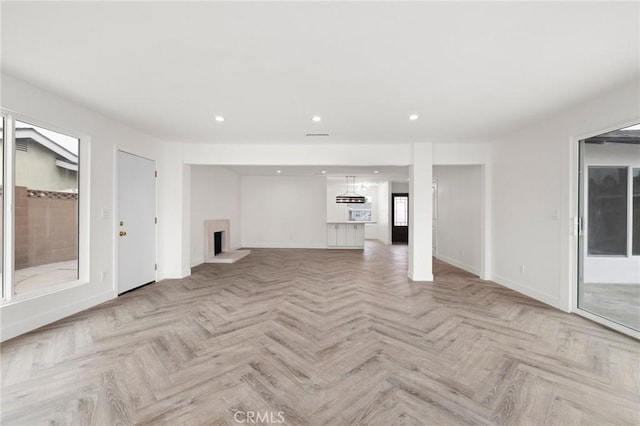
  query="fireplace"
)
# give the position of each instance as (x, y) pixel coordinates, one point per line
(217, 246)
(217, 242)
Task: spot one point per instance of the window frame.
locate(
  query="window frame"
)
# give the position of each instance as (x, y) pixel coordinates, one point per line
(8, 240)
(588, 240)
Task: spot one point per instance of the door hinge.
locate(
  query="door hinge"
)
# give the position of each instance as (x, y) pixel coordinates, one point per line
(156, 221)
(156, 173)
(580, 225)
(156, 267)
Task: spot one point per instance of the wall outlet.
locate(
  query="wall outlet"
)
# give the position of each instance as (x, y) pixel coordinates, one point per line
(522, 269)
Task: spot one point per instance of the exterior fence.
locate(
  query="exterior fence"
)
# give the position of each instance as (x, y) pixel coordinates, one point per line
(46, 227)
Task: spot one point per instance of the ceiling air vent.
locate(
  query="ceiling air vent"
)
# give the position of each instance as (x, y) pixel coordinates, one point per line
(318, 134)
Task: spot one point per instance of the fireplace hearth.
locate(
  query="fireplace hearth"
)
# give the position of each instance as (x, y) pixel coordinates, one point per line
(217, 246)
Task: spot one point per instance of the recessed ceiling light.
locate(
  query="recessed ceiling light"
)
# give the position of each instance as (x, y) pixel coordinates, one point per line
(324, 172)
(219, 118)
(413, 117)
(316, 118)
(376, 172)
(278, 171)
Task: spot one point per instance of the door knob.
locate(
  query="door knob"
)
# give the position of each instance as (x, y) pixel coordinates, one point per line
(123, 233)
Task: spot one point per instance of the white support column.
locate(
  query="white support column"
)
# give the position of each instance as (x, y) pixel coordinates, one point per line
(174, 178)
(420, 213)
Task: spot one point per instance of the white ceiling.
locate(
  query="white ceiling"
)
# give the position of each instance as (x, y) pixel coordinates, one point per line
(470, 70)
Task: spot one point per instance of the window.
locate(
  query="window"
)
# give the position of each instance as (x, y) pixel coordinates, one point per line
(46, 208)
(42, 235)
(401, 211)
(361, 212)
(607, 198)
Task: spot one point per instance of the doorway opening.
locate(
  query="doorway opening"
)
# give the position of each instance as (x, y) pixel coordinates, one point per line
(609, 227)
(400, 218)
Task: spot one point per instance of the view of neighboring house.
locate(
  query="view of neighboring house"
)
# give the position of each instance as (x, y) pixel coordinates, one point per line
(43, 163)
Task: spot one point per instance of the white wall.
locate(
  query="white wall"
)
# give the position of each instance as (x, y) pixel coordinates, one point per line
(101, 138)
(215, 194)
(459, 210)
(284, 211)
(534, 195)
(384, 212)
(394, 154)
(400, 187)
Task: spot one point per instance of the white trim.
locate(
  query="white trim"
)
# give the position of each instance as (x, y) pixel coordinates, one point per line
(528, 291)
(43, 292)
(174, 274)
(288, 245)
(427, 279)
(607, 323)
(8, 276)
(572, 275)
(54, 314)
(84, 209)
(458, 264)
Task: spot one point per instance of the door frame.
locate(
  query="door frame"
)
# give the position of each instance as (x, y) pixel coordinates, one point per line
(573, 273)
(393, 212)
(115, 223)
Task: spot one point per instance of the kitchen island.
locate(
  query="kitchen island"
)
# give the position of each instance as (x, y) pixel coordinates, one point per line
(345, 235)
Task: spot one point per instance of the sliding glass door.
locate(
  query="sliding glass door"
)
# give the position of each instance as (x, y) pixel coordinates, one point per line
(609, 227)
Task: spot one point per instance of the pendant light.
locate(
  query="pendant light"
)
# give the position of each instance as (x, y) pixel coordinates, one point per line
(351, 196)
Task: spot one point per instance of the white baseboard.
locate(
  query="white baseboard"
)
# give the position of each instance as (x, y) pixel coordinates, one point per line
(458, 264)
(428, 278)
(11, 330)
(196, 262)
(174, 274)
(528, 291)
(285, 245)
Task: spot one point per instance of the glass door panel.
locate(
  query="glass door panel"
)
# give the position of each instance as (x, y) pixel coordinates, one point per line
(609, 228)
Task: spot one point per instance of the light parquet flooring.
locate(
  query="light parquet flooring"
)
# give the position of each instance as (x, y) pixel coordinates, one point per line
(322, 337)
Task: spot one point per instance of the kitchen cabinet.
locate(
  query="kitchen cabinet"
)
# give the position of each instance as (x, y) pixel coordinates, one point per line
(345, 235)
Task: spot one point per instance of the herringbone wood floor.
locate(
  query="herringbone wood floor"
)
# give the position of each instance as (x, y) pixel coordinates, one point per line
(325, 337)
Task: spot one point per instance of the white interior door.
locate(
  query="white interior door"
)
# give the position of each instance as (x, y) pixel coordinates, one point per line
(136, 221)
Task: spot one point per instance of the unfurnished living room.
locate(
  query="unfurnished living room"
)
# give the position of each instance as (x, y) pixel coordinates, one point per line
(320, 213)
